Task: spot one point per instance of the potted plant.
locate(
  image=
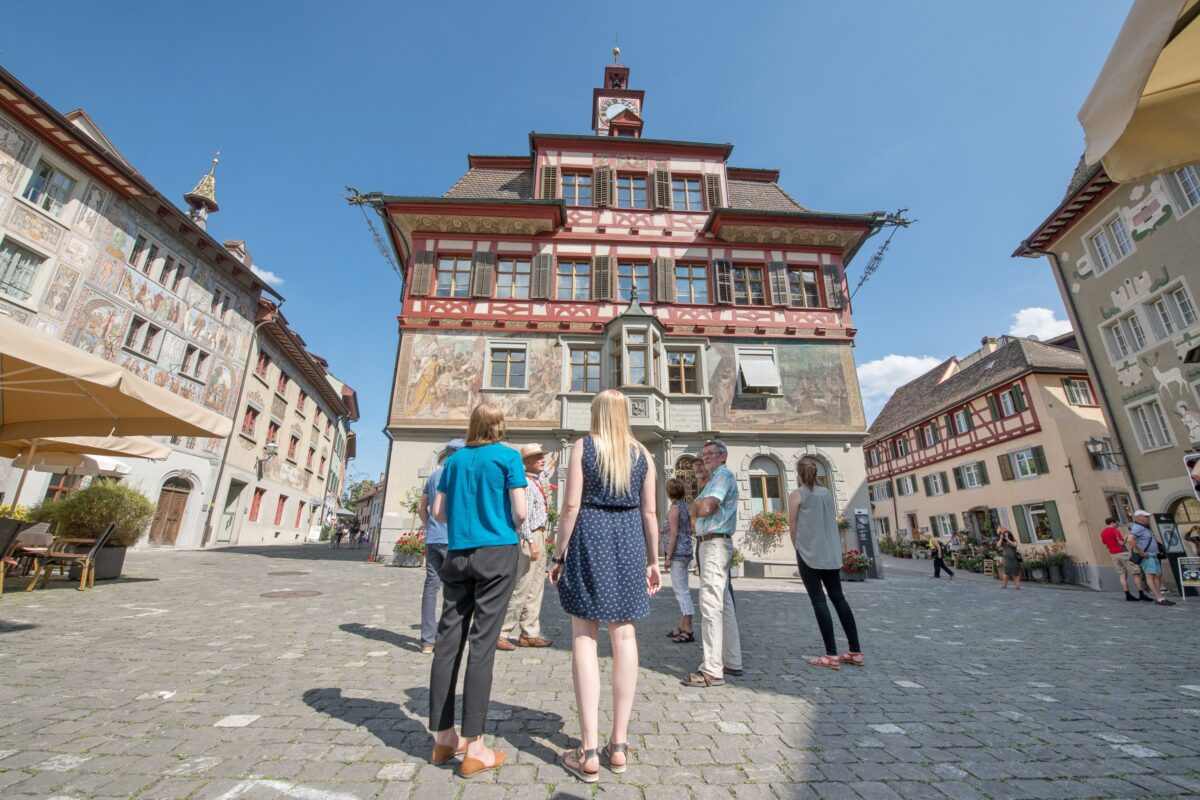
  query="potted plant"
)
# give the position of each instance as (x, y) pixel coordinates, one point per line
(736, 564)
(855, 565)
(86, 512)
(769, 525)
(409, 550)
(1054, 557)
(1035, 565)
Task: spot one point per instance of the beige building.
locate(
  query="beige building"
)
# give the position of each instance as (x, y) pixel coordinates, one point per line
(287, 455)
(1124, 257)
(1010, 435)
(368, 510)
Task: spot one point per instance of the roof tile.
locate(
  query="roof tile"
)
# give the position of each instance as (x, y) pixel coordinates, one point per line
(489, 184)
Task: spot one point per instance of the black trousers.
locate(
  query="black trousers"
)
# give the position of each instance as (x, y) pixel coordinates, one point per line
(938, 565)
(818, 583)
(476, 586)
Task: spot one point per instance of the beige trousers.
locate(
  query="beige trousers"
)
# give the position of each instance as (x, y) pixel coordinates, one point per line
(525, 607)
(719, 628)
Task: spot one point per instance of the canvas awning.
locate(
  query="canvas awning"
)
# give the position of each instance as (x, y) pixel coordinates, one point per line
(74, 463)
(1143, 115)
(759, 371)
(49, 388)
(135, 446)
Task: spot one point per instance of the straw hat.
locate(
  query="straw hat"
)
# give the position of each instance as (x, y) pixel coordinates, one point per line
(531, 450)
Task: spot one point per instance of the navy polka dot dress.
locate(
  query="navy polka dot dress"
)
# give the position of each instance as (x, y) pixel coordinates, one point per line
(604, 576)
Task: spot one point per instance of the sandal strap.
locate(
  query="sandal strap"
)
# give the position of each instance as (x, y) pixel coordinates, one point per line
(617, 747)
(586, 755)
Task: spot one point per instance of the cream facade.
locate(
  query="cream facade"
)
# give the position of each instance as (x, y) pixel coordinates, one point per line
(1017, 443)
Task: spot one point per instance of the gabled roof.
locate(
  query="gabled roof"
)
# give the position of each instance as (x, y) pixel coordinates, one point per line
(485, 183)
(761, 196)
(924, 398)
(1087, 187)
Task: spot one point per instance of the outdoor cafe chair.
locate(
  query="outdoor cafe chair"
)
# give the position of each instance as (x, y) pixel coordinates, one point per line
(31, 542)
(60, 554)
(9, 528)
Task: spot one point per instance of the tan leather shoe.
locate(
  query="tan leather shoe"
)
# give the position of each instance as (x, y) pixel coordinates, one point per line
(505, 644)
(533, 641)
(473, 766)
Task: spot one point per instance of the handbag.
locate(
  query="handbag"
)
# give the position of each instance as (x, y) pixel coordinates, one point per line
(1135, 558)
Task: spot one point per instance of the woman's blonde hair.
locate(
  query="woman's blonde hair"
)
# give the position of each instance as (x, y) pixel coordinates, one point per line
(806, 472)
(614, 440)
(486, 425)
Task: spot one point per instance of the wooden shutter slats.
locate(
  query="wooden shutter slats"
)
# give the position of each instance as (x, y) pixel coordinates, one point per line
(543, 276)
(1006, 468)
(602, 186)
(1056, 528)
(834, 295)
(1022, 524)
(983, 476)
(712, 191)
(664, 271)
(602, 278)
(723, 272)
(483, 274)
(661, 188)
(1039, 458)
(549, 182)
(422, 273)
(780, 291)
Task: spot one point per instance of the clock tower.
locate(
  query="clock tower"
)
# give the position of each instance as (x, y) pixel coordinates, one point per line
(617, 109)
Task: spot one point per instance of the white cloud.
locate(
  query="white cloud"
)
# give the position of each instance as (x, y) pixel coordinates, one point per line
(1039, 322)
(881, 377)
(267, 275)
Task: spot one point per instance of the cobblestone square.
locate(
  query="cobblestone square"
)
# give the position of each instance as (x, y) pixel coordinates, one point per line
(183, 681)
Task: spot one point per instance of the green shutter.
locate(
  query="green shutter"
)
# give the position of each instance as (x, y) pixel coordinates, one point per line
(1018, 396)
(950, 426)
(1039, 458)
(1006, 470)
(983, 478)
(933, 526)
(1022, 524)
(928, 488)
(958, 478)
(993, 406)
(945, 483)
(1056, 528)
(970, 417)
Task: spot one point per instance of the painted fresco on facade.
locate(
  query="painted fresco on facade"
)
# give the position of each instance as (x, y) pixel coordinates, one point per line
(13, 311)
(34, 227)
(150, 299)
(58, 293)
(815, 390)
(447, 379)
(77, 251)
(98, 325)
(220, 393)
(117, 234)
(94, 200)
(47, 326)
(213, 334)
(13, 147)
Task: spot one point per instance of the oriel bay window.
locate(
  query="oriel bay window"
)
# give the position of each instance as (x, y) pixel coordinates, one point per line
(638, 356)
(682, 372)
(512, 278)
(631, 191)
(765, 491)
(691, 283)
(585, 369)
(635, 355)
(507, 366)
(748, 286)
(629, 275)
(573, 280)
(453, 276)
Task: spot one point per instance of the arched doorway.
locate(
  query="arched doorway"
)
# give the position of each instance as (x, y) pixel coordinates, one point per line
(172, 501)
(685, 473)
(1187, 519)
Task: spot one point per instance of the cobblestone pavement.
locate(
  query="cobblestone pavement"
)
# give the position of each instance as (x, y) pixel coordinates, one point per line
(183, 681)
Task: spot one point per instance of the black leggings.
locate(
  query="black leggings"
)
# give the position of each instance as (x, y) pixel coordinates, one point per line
(938, 565)
(818, 582)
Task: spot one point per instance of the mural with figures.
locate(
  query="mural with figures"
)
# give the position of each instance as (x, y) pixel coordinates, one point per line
(446, 379)
(818, 389)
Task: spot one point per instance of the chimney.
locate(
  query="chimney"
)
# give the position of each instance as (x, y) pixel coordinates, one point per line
(989, 344)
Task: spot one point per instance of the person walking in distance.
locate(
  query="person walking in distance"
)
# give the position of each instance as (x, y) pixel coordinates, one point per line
(525, 607)
(481, 498)
(1148, 553)
(679, 555)
(606, 572)
(1118, 549)
(939, 559)
(812, 520)
(715, 522)
(1012, 558)
(435, 551)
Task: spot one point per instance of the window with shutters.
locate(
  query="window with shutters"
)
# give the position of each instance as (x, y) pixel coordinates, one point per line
(686, 194)
(748, 286)
(682, 371)
(942, 524)
(972, 475)
(308, 461)
(49, 188)
(264, 361)
(937, 484)
(765, 486)
(631, 274)
(506, 365)
(901, 447)
(929, 434)
(1079, 392)
(1150, 425)
(299, 513)
(453, 278)
(803, 287)
(873, 457)
(1039, 523)
(573, 280)
(962, 420)
(631, 191)
(906, 486)
(272, 432)
(691, 283)
(1025, 463)
(883, 491)
(18, 270)
(143, 337)
(585, 369)
(512, 279)
(293, 444)
(577, 188)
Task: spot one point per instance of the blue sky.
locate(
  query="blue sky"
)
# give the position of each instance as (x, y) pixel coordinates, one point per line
(962, 112)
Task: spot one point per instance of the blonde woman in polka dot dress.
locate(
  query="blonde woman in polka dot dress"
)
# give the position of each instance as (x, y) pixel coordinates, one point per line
(606, 571)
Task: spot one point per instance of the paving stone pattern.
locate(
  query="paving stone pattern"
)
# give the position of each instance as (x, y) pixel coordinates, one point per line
(182, 681)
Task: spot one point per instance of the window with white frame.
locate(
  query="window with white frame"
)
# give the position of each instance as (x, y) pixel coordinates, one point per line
(1120, 507)
(765, 483)
(758, 372)
(1150, 425)
(1039, 523)
(901, 445)
(18, 270)
(906, 485)
(142, 337)
(883, 526)
(49, 188)
(1189, 185)
(943, 524)
(929, 434)
(1171, 312)
(883, 491)
(937, 486)
(1184, 305)
(1079, 392)
(972, 475)
(1111, 243)
(506, 366)
(1104, 457)
(585, 369)
(962, 420)
(873, 457)
(1008, 404)
(1025, 463)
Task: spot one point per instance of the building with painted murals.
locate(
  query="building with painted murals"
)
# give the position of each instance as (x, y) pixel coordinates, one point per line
(715, 301)
(92, 254)
(1124, 257)
(1003, 436)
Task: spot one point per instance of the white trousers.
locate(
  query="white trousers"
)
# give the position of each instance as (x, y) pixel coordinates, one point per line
(679, 583)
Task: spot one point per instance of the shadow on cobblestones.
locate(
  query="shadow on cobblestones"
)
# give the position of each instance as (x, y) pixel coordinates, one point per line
(410, 643)
(14, 627)
(304, 552)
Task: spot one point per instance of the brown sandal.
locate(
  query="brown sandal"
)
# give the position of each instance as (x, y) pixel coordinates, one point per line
(702, 680)
(473, 766)
(443, 753)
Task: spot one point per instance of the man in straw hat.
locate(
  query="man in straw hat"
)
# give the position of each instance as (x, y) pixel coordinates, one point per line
(525, 606)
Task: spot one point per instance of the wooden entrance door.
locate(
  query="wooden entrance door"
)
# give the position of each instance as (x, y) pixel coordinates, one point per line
(172, 501)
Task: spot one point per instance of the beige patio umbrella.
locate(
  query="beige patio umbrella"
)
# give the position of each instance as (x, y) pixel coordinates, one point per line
(50, 389)
(72, 454)
(1143, 115)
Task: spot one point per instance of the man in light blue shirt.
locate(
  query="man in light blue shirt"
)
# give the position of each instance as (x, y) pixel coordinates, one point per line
(1146, 546)
(436, 543)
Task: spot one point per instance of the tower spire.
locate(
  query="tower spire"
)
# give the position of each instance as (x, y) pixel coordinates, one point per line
(202, 200)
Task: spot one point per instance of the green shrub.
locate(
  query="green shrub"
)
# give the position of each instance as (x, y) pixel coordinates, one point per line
(86, 512)
(14, 512)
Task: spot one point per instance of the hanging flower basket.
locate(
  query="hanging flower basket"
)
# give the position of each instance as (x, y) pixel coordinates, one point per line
(769, 524)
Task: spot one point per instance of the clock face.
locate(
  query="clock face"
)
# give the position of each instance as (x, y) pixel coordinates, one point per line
(613, 106)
